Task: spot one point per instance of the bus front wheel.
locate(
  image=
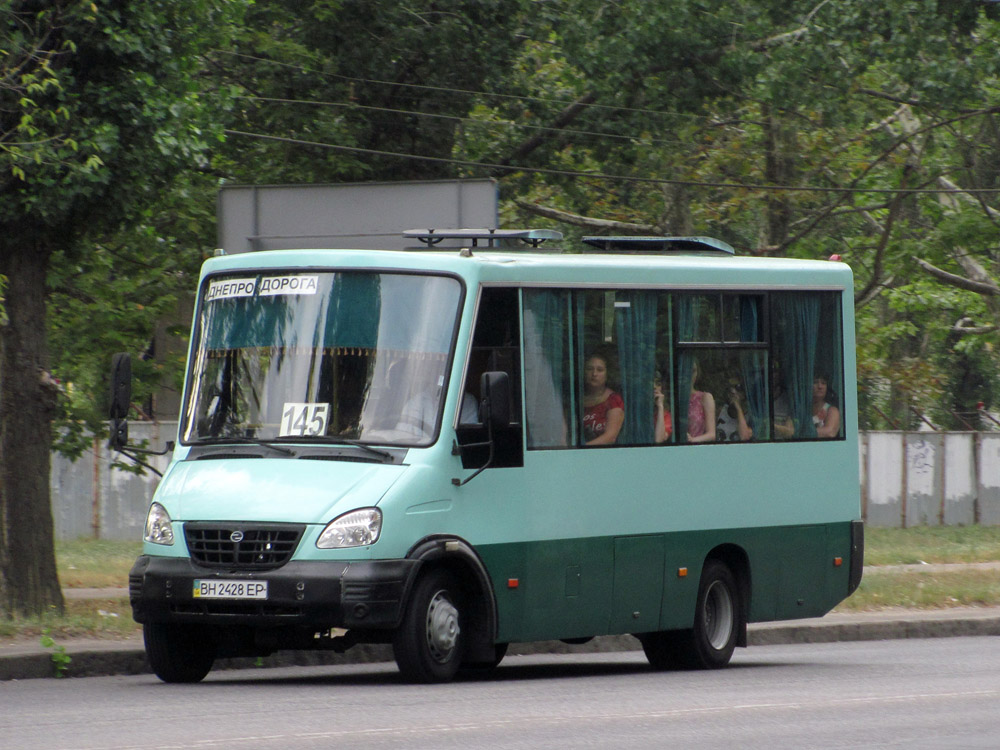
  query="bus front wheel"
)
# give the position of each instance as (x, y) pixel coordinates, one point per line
(178, 653)
(429, 643)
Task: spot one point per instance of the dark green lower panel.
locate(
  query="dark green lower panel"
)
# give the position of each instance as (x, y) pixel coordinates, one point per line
(573, 588)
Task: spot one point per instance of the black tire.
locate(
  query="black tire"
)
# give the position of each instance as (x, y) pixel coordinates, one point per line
(717, 621)
(661, 649)
(499, 652)
(429, 644)
(179, 653)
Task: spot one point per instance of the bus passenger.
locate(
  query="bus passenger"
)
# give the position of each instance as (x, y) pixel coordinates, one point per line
(732, 424)
(826, 417)
(701, 412)
(603, 409)
(663, 426)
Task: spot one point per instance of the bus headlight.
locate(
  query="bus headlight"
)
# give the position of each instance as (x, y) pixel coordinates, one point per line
(158, 527)
(354, 529)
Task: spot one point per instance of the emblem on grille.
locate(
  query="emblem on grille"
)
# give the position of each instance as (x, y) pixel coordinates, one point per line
(236, 536)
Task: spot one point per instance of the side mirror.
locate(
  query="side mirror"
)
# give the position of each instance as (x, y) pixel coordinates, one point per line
(121, 385)
(121, 399)
(495, 405)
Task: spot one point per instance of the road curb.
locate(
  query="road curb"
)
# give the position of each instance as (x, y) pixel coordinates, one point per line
(102, 658)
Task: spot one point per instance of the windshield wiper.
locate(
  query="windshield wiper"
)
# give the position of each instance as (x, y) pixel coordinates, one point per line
(272, 444)
(384, 455)
(234, 439)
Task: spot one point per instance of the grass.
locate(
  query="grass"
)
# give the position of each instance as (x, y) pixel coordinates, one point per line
(104, 564)
(95, 564)
(85, 564)
(932, 544)
(883, 589)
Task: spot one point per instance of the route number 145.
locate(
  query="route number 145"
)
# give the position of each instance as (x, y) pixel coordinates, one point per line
(304, 420)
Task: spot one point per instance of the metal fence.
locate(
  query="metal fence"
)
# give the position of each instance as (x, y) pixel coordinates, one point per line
(907, 479)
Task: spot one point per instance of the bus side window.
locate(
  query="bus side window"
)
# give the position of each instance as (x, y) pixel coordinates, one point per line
(807, 378)
(495, 347)
(721, 366)
(548, 369)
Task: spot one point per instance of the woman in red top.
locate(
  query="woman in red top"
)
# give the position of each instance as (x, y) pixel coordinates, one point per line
(603, 409)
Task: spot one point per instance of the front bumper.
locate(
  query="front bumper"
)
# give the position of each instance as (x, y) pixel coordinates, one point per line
(366, 594)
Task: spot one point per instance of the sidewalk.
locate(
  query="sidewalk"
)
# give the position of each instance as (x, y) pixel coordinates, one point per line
(93, 657)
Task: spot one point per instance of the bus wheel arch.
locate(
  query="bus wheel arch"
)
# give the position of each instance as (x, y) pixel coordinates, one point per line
(474, 590)
(736, 559)
(709, 644)
(429, 643)
(720, 617)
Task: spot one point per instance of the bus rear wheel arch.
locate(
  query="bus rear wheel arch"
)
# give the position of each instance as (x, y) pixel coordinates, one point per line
(719, 620)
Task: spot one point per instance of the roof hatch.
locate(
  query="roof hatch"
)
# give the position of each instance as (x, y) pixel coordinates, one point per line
(660, 245)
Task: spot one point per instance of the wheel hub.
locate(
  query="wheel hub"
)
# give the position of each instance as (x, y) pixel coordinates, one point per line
(719, 615)
(442, 627)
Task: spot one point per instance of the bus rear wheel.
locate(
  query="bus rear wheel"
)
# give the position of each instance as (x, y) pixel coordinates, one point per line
(429, 643)
(179, 653)
(712, 640)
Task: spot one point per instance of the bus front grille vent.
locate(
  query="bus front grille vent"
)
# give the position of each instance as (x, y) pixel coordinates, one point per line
(242, 546)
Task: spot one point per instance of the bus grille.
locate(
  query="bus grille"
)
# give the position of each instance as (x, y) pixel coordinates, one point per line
(242, 546)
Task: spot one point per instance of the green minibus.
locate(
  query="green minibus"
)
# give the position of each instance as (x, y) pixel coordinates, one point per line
(486, 440)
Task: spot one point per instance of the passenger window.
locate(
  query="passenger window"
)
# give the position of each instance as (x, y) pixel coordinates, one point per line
(548, 365)
(807, 378)
(647, 367)
(721, 368)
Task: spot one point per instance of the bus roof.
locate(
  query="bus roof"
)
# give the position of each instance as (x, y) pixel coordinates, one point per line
(571, 267)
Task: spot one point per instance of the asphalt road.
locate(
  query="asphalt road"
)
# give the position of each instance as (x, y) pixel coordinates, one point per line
(916, 694)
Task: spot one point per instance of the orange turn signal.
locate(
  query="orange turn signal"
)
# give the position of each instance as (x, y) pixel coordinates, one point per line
(682, 572)
(838, 561)
(512, 583)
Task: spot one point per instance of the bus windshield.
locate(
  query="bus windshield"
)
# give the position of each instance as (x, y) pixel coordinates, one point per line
(321, 356)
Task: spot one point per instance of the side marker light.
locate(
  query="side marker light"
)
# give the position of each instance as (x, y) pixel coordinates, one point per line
(513, 583)
(838, 561)
(682, 572)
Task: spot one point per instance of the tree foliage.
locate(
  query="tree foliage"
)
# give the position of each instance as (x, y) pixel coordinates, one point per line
(100, 104)
(867, 130)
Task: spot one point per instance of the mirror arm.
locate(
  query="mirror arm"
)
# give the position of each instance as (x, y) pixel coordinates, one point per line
(140, 462)
(489, 459)
(149, 451)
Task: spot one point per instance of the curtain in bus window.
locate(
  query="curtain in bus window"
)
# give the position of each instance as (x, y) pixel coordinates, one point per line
(838, 358)
(635, 325)
(244, 322)
(687, 324)
(352, 318)
(752, 368)
(829, 356)
(546, 367)
(798, 316)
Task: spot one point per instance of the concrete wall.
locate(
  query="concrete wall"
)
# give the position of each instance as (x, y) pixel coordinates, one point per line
(907, 479)
(930, 478)
(93, 499)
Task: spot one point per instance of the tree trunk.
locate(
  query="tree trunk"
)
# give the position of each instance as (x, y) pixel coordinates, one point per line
(779, 145)
(29, 584)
